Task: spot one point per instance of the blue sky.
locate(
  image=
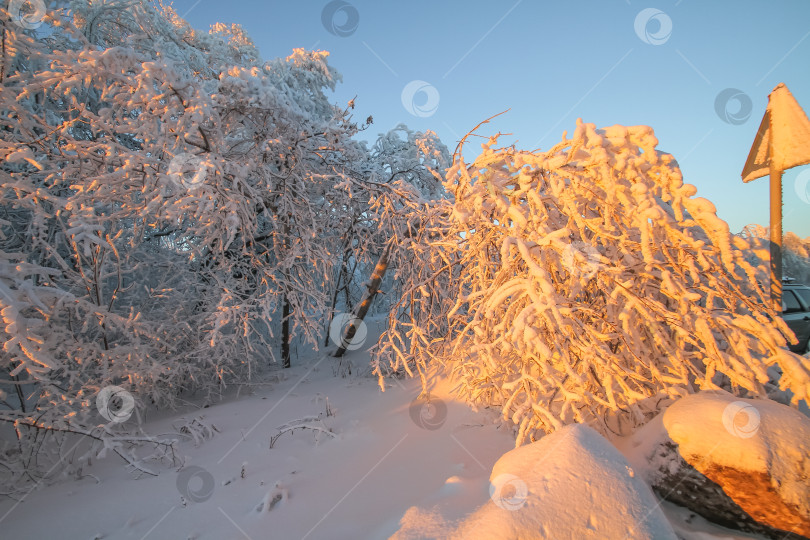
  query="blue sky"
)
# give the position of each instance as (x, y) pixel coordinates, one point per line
(551, 62)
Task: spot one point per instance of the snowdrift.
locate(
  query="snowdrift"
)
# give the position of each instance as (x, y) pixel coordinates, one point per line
(572, 484)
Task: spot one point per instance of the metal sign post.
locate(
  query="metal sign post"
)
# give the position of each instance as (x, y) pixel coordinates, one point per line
(782, 142)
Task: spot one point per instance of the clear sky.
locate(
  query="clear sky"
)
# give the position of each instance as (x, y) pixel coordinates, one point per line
(699, 72)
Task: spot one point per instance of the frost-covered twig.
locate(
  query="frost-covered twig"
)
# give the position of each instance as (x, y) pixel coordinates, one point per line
(312, 423)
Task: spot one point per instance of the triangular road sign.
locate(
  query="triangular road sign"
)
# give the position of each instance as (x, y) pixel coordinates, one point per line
(783, 138)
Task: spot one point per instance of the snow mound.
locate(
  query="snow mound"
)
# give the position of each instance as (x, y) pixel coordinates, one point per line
(755, 435)
(419, 524)
(571, 484)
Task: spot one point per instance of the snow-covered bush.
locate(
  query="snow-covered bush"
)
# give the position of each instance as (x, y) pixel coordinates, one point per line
(585, 284)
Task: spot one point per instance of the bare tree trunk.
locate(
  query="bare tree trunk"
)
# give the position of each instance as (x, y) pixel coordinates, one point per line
(285, 331)
(285, 309)
(360, 311)
(343, 283)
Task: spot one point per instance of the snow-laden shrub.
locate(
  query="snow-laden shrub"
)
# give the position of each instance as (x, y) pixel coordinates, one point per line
(588, 284)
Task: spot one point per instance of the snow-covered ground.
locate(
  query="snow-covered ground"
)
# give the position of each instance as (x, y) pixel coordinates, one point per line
(356, 484)
(387, 457)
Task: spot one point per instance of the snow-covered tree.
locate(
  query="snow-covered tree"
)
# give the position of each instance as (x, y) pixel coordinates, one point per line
(174, 212)
(586, 284)
(406, 170)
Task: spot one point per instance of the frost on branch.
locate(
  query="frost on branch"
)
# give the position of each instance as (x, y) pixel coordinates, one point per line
(587, 284)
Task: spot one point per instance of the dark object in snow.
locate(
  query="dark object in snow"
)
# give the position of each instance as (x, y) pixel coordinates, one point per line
(741, 463)
(682, 484)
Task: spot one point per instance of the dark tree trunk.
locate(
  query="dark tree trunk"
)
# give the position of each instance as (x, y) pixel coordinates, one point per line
(285, 332)
(285, 305)
(359, 313)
